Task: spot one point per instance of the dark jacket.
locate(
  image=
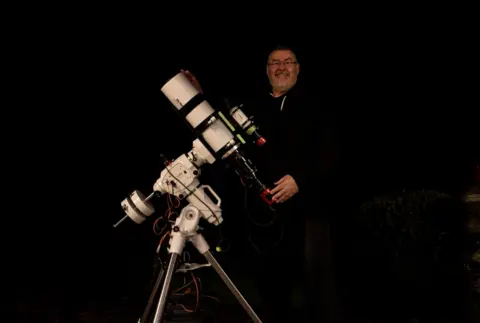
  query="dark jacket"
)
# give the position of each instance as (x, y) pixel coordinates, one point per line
(301, 142)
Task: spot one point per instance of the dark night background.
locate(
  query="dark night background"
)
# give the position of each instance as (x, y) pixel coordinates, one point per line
(406, 121)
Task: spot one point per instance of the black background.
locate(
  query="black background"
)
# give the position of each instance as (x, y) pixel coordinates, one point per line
(93, 124)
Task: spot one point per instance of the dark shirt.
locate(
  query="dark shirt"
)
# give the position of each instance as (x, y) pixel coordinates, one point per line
(301, 142)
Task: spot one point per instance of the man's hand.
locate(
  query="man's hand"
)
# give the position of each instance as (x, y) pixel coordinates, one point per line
(193, 80)
(285, 188)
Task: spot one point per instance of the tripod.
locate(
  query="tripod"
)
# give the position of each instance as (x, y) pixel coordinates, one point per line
(185, 229)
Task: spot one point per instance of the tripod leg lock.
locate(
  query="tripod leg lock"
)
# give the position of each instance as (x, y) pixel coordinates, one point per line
(200, 243)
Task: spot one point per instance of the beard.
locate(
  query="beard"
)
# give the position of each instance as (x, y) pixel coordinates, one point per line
(282, 81)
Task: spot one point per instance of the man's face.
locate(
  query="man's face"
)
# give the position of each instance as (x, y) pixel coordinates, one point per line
(282, 70)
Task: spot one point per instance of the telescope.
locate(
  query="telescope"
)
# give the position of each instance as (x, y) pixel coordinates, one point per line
(215, 141)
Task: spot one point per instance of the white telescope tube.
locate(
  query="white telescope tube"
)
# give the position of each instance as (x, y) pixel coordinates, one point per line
(181, 92)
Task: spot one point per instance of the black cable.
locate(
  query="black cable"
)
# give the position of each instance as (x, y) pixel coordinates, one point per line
(273, 247)
(269, 224)
(247, 212)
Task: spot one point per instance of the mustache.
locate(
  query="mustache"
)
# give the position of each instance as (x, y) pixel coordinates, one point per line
(278, 73)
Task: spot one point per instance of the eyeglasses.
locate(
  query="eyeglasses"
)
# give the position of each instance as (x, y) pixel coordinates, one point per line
(285, 63)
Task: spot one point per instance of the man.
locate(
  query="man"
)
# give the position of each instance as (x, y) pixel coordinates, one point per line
(297, 161)
(300, 158)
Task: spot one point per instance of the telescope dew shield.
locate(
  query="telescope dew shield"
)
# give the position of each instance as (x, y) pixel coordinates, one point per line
(191, 104)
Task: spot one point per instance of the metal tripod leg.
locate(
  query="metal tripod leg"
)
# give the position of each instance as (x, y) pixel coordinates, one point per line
(165, 289)
(185, 228)
(208, 255)
(202, 246)
(153, 295)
